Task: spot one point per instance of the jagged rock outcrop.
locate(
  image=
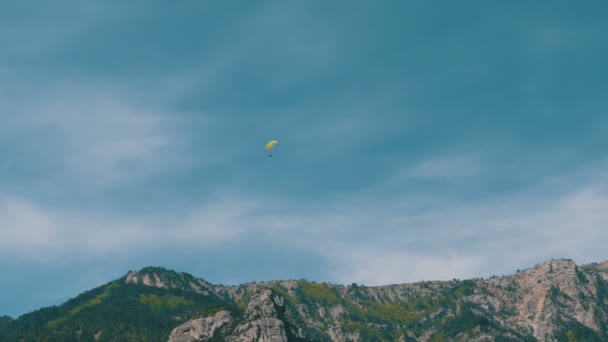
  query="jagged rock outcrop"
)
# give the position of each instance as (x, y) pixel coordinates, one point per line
(160, 278)
(552, 301)
(202, 328)
(545, 298)
(262, 320)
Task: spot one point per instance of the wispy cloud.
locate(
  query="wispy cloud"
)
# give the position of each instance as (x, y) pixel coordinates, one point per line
(104, 141)
(91, 135)
(370, 243)
(402, 239)
(450, 167)
(483, 237)
(32, 232)
(401, 158)
(377, 266)
(369, 238)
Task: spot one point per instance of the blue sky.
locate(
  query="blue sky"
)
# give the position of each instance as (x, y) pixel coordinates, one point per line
(418, 140)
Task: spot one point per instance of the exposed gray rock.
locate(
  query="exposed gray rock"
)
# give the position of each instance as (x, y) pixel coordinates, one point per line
(535, 303)
(551, 301)
(262, 321)
(201, 329)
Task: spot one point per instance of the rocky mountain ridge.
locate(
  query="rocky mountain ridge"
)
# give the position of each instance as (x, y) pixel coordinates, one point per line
(553, 301)
(534, 304)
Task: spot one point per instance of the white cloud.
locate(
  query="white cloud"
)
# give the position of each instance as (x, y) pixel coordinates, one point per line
(368, 242)
(34, 232)
(377, 266)
(93, 136)
(396, 241)
(522, 230)
(23, 225)
(99, 136)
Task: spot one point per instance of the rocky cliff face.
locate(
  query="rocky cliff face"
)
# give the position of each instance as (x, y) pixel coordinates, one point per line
(553, 301)
(202, 328)
(547, 299)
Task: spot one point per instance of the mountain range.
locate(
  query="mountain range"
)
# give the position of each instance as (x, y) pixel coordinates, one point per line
(556, 300)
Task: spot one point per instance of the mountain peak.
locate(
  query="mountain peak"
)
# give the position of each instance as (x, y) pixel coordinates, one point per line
(552, 301)
(553, 266)
(163, 278)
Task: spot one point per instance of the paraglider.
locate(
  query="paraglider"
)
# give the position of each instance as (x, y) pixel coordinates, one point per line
(270, 145)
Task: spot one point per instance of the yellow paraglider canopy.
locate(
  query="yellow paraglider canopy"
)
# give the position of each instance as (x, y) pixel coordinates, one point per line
(271, 144)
